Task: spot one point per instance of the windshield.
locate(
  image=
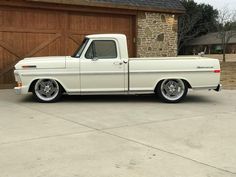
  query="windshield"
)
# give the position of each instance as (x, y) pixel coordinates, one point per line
(79, 51)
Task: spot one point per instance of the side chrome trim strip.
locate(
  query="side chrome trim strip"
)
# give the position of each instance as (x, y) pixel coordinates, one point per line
(76, 73)
(113, 73)
(168, 71)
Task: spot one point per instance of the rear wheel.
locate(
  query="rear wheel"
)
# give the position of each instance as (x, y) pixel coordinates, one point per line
(47, 90)
(172, 90)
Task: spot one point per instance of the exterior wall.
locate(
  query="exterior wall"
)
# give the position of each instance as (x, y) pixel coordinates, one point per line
(156, 34)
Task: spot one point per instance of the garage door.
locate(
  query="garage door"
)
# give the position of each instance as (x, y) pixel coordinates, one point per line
(29, 32)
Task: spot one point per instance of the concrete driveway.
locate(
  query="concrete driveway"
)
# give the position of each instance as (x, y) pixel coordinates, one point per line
(118, 136)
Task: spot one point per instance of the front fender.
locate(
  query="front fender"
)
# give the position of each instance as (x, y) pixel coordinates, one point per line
(32, 82)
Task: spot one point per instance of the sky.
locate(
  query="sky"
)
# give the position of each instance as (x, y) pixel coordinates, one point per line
(220, 4)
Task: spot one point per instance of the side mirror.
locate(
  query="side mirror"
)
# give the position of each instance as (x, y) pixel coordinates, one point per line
(94, 58)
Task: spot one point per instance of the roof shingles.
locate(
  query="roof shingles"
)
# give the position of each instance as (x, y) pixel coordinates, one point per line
(160, 5)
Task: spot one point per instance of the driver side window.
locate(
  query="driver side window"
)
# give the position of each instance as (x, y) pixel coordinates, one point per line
(103, 49)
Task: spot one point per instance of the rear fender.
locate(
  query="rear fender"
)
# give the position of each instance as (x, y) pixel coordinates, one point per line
(179, 78)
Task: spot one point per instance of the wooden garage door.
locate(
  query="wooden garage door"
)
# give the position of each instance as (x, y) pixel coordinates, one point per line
(30, 32)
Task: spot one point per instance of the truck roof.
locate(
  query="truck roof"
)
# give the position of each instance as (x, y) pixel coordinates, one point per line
(117, 36)
(120, 38)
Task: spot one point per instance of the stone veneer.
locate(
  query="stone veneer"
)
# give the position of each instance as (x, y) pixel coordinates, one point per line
(156, 34)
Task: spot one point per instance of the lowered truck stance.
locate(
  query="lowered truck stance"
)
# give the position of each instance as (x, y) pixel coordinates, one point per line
(101, 66)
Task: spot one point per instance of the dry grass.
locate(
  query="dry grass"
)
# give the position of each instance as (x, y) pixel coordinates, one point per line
(228, 76)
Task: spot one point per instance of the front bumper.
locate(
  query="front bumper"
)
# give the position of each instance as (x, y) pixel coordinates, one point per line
(219, 88)
(21, 90)
(18, 90)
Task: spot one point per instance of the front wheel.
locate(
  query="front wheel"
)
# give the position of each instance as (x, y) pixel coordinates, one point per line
(47, 90)
(172, 90)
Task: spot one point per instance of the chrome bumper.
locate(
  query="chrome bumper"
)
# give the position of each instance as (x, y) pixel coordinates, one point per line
(219, 88)
(18, 90)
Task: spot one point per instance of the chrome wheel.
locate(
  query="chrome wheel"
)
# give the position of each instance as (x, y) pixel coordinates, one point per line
(46, 90)
(173, 89)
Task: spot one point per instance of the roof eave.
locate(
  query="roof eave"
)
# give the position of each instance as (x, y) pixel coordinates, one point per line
(114, 6)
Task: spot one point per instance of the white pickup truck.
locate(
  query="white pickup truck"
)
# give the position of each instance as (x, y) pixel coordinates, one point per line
(101, 66)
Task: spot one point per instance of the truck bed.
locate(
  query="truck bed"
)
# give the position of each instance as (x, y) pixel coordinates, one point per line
(199, 71)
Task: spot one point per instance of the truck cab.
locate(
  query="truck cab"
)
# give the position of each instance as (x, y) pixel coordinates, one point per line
(105, 59)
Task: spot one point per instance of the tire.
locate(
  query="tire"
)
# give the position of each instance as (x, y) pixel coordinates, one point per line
(172, 90)
(47, 91)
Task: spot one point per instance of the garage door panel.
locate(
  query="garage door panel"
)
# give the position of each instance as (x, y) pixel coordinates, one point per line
(105, 23)
(72, 46)
(24, 43)
(121, 23)
(74, 42)
(9, 77)
(130, 47)
(1, 19)
(95, 23)
(6, 60)
(89, 23)
(30, 19)
(27, 44)
(53, 49)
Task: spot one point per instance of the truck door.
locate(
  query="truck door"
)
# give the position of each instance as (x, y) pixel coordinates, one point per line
(101, 68)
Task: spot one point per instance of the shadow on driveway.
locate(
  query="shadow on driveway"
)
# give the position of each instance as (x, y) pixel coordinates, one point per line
(122, 98)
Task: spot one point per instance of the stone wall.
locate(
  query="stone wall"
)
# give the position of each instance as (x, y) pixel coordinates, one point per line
(156, 34)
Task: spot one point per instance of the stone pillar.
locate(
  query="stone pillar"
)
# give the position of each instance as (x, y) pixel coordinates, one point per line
(157, 34)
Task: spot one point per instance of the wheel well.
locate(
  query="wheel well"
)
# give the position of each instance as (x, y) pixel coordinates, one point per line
(32, 85)
(34, 82)
(185, 82)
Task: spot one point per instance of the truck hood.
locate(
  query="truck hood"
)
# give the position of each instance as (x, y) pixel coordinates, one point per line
(42, 63)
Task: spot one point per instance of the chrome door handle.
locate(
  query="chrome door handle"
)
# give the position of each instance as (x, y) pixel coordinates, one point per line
(118, 63)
